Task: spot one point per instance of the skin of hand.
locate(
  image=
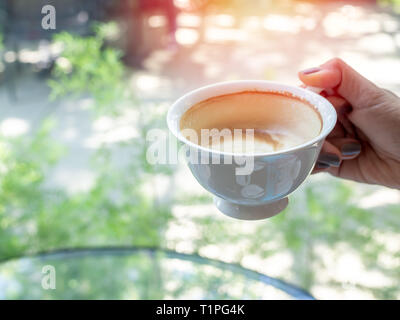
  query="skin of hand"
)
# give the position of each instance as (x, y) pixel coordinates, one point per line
(364, 146)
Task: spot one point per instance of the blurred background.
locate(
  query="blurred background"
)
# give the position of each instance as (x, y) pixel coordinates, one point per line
(77, 103)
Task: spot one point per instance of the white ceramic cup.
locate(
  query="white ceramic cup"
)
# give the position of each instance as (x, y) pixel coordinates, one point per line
(263, 192)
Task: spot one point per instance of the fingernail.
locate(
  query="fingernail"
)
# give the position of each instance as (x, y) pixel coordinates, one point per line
(330, 159)
(310, 70)
(321, 165)
(350, 149)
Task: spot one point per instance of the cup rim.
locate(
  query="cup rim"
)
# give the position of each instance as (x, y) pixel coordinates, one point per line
(316, 100)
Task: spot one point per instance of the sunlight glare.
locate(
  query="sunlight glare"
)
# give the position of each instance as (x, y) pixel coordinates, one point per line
(157, 21)
(185, 36)
(224, 20)
(222, 35)
(252, 22)
(13, 127)
(380, 43)
(189, 20)
(147, 82)
(349, 20)
(276, 22)
(30, 56)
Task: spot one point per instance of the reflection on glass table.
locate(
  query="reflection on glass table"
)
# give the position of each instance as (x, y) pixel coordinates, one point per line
(135, 273)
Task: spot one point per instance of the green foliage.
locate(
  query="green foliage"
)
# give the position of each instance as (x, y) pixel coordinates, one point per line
(86, 66)
(24, 164)
(115, 210)
(395, 4)
(35, 216)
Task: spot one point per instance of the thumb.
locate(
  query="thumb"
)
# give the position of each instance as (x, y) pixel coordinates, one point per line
(348, 83)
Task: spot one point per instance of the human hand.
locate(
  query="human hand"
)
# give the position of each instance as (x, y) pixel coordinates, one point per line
(364, 146)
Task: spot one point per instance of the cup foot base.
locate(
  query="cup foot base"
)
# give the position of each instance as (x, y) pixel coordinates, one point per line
(244, 212)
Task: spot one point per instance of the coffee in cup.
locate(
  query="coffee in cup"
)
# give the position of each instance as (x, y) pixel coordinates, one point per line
(276, 121)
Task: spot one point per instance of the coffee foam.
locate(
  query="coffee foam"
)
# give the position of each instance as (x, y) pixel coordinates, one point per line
(277, 121)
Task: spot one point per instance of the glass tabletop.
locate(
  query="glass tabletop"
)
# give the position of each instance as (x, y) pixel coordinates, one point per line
(135, 273)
